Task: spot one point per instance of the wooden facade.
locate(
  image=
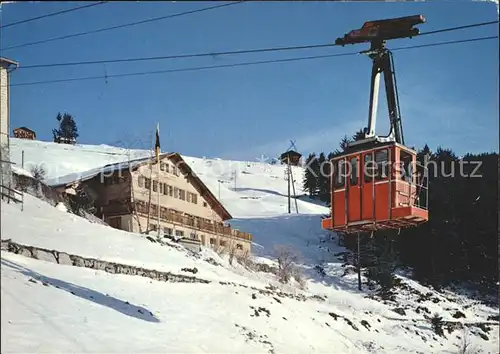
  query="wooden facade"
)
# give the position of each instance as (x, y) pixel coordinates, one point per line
(127, 199)
(24, 133)
(290, 157)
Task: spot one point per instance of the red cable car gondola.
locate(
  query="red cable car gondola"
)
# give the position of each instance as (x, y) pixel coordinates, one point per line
(376, 182)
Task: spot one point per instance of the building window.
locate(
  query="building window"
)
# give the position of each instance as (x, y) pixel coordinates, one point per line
(167, 167)
(405, 160)
(165, 188)
(382, 161)
(205, 204)
(223, 243)
(174, 170)
(182, 194)
(239, 246)
(354, 171)
(167, 231)
(153, 227)
(193, 235)
(212, 241)
(340, 173)
(141, 181)
(179, 233)
(188, 197)
(155, 186)
(369, 168)
(194, 198)
(147, 183)
(176, 192)
(171, 191)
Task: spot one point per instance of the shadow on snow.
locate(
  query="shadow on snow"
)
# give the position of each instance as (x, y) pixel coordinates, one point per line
(88, 294)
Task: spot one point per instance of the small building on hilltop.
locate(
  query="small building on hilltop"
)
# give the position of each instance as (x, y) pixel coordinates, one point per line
(290, 157)
(139, 197)
(24, 133)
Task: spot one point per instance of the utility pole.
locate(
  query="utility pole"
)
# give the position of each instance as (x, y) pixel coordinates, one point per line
(294, 194)
(288, 178)
(359, 266)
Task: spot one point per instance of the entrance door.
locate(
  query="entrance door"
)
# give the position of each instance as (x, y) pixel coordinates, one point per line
(368, 196)
(339, 200)
(353, 190)
(115, 222)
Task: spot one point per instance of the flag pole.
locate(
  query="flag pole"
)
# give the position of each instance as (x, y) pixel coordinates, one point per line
(157, 148)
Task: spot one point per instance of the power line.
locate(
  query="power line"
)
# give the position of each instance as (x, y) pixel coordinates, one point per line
(121, 26)
(52, 14)
(199, 68)
(180, 56)
(459, 27)
(249, 51)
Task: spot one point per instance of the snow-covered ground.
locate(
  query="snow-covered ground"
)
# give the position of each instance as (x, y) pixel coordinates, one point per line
(48, 307)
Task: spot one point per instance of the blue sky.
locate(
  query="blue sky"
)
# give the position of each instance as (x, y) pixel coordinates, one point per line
(448, 94)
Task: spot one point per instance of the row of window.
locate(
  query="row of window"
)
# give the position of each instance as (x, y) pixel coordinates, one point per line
(177, 216)
(169, 190)
(169, 168)
(168, 231)
(115, 178)
(377, 168)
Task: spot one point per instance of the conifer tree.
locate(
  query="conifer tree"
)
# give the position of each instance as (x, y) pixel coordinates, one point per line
(67, 131)
(310, 180)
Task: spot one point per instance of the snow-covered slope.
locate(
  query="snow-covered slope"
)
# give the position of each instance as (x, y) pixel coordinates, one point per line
(55, 308)
(247, 189)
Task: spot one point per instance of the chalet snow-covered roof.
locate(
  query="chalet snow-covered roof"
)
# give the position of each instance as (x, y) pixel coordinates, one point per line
(89, 174)
(217, 206)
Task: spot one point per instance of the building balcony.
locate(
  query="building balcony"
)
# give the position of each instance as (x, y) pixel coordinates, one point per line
(175, 217)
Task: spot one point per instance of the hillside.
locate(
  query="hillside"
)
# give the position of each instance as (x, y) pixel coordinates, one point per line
(48, 307)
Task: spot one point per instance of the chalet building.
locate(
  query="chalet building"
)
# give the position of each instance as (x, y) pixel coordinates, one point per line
(290, 157)
(127, 195)
(24, 133)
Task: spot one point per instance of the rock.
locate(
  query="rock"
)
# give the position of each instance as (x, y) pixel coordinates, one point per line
(458, 314)
(482, 335)
(400, 311)
(349, 322)
(334, 315)
(44, 255)
(365, 324)
(63, 258)
(190, 270)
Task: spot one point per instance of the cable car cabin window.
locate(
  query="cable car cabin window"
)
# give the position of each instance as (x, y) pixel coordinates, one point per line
(405, 160)
(354, 171)
(369, 168)
(382, 162)
(339, 170)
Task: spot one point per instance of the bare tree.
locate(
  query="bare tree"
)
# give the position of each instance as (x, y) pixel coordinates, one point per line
(286, 262)
(38, 172)
(466, 346)
(245, 259)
